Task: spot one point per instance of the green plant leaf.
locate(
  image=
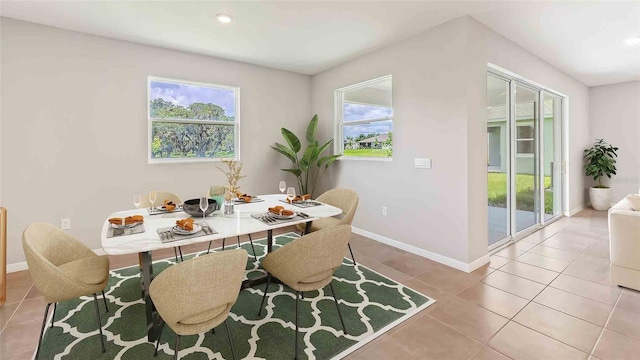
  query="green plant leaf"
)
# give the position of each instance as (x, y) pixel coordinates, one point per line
(296, 172)
(292, 140)
(327, 160)
(311, 129)
(324, 147)
(307, 158)
(285, 151)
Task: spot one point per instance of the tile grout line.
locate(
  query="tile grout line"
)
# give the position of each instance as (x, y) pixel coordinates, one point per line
(545, 287)
(605, 324)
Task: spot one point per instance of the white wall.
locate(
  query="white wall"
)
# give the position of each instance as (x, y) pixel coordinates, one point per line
(615, 116)
(427, 208)
(439, 100)
(74, 126)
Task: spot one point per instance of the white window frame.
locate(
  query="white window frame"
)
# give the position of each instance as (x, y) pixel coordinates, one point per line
(522, 154)
(338, 142)
(150, 120)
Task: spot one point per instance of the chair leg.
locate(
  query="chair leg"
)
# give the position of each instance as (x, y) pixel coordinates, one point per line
(264, 296)
(180, 251)
(175, 355)
(233, 352)
(55, 305)
(295, 352)
(106, 307)
(209, 247)
(223, 240)
(213, 331)
(95, 302)
(302, 295)
(176, 253)
(44, 323)
(252, 248)
(337, 307)
(352, 258)
(238, 240)
(159, 336)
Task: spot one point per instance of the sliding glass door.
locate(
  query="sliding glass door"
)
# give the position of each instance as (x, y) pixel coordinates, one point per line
(498, 159)
(524, 159)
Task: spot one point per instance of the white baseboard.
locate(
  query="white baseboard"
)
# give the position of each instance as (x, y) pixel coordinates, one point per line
(424, 253)
(17, 267)
(577, 210)
(20, 266)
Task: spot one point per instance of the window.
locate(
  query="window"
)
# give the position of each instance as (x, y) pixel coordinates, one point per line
(364, 120)
(191, 121)
(524, 139)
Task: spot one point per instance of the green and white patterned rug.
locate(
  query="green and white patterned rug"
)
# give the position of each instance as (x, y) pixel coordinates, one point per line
(370, 303)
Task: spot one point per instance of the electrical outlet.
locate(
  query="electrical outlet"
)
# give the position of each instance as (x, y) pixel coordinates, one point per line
(65, 224)
(384, 211)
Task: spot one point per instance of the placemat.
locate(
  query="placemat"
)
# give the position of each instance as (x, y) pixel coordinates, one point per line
(267, 219)
(253, 200)
(115, 232)
(305, 204)
(167, 235)
(156, 211)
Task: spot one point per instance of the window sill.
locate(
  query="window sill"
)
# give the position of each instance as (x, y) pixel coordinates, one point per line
(352, 158)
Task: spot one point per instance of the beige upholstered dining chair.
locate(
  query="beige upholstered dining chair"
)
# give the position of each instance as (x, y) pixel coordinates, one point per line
(196, 295)
(307, 264)
(62, 268)
(346, 200)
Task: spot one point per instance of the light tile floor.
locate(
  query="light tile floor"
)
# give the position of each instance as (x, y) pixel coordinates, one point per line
(547, 297)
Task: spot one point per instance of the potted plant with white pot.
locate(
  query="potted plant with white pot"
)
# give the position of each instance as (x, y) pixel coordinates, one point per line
(600, 161)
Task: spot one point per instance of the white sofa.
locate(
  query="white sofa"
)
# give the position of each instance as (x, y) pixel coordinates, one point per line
(624, 235)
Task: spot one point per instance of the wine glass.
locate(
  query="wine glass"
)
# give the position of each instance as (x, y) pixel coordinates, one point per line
(152, 198)
(291, 194)
(137, 199)
(204, 205)
(282, 186)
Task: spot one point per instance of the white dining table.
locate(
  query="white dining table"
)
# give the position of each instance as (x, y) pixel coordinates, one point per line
(227, 226)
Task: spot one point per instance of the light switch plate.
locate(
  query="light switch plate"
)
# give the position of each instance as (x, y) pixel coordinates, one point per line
(422, 163)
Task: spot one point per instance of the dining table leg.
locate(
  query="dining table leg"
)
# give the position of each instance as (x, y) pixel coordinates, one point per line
(269, 240)
(146, 276)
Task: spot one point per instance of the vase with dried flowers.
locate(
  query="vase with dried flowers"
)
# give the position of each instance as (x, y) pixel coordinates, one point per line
(233, 176)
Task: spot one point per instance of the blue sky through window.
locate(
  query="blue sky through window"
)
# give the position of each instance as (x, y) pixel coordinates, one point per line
(355, 112)
(187, 94)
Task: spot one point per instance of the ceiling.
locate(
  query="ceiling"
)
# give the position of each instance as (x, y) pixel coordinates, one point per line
(582, 39)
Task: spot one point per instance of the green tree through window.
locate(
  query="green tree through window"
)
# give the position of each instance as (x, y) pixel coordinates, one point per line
(191, 121)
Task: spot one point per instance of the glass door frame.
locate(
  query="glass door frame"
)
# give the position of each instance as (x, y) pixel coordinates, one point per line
(513, 79)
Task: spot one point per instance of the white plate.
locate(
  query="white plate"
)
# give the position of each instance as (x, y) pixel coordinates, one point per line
(179, 231)
(282, 217)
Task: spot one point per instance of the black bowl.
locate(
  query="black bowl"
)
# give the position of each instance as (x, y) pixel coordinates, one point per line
(192, 207)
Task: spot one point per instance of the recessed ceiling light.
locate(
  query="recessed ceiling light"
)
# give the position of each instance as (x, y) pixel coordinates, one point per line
(224, 18)
(632, 41)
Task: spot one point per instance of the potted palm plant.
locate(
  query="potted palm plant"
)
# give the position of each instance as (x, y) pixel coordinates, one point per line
(309, 167)
(600, 161)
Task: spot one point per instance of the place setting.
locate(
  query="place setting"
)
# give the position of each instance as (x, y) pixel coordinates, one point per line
(168, 206)
(301, 201)
(185, 229)
(278, 215)
(129, 225)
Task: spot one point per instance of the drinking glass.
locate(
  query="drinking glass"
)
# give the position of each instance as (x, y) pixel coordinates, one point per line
(291, 193)
(204, 205)
(282, 186)
(152, 198)
(137, 199)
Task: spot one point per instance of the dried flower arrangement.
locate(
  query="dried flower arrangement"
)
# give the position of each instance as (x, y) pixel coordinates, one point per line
(233, 176)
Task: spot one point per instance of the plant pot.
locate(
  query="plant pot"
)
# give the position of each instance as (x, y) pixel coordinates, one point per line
(600, 198)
